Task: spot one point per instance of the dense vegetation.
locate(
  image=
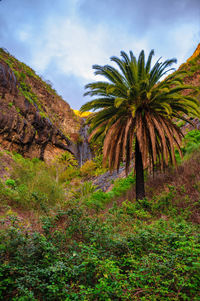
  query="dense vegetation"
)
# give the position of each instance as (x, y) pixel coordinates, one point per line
(121, 258)
(61, 239)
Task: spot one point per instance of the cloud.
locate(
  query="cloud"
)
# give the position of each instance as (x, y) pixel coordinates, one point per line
(69, 86)
(62, 39)
(142, 13)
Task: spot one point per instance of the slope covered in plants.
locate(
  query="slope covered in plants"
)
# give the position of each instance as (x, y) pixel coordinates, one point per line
(191, 76)
(59, 240)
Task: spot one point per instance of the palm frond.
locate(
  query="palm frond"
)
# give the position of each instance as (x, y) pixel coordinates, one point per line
(133, 103)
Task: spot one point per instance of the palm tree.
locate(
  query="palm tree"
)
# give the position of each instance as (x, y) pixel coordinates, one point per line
(136, 113)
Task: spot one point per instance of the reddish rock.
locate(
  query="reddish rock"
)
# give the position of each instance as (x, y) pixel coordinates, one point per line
(42, 128)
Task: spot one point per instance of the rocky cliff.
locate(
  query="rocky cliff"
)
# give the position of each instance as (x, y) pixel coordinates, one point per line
(34, 120)
(192, 77)
(192, 70)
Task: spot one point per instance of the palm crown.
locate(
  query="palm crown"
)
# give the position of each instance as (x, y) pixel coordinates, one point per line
(134, 106)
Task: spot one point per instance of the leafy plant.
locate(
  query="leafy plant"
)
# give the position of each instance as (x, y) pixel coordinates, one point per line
(11, 183)
(84, 190)
(67, 159)
(88, 168)
(192, 141)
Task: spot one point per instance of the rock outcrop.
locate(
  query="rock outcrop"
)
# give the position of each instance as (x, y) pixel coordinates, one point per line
(34, 120)
(192, 77)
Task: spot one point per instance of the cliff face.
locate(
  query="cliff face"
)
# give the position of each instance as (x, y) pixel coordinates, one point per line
(34, 120)
(195, 54)
(192, 70)
(192, 77)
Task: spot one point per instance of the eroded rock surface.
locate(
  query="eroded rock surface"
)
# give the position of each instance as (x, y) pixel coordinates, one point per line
(41, 129)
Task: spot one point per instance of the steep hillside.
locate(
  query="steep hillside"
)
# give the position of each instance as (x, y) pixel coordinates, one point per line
(73, 243)
(192, 75)
(34, 120)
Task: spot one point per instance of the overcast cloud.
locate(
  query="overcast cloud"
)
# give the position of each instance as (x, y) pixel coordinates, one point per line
(62, 39)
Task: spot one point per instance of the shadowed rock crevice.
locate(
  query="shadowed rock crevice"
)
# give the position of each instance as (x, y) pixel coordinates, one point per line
(84, 150)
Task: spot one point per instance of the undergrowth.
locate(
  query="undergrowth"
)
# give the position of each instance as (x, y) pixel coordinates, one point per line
(91, 259)
(31, 186)
(87, 250)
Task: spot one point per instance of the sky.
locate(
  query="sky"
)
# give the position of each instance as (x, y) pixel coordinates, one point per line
(62, 39)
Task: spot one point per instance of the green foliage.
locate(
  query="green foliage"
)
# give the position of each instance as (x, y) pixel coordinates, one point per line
(125, 252)
(89, 260)
(84, 190)
(67, 159)
(98, 160)
(65, 167)
(136, 210)
(99, 199)
(93, 168)
(191, 141)
(10, 104)
(88, 168)
(181, 123)
(121, 185)
(164, 203)
(11, 183)
(31, 185)
(68, 174)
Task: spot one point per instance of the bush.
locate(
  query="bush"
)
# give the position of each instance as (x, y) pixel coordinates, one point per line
(192, 141)
(88, 169)
(11, 183)
(84, 190)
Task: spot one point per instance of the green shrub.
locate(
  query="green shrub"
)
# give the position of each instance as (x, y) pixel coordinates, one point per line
(99, 199)
(67, 159)
(191, 141)
(11, 183)
(88, 169)
(136, 209)
(84, 190)
(68, 174)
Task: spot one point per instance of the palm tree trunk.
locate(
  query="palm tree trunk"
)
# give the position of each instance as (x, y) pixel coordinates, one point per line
(140, 193)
